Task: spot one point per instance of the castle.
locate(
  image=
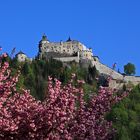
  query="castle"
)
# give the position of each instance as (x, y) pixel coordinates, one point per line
(73, 50)
(68, 48)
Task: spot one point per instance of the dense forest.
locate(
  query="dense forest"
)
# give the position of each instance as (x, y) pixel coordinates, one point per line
(125, 115)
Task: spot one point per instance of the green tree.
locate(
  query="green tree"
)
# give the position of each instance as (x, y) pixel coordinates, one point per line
(129, 69)
(92, 74)
(126, 117)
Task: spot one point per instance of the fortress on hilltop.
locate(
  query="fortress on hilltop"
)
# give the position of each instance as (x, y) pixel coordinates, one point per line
(73, 50)
(69, 48)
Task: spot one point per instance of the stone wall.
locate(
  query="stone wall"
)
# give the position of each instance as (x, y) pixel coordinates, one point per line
(106, 70)
(116, 84)
(84, 63)
(49, 55)
(118, 80)
(132, 78)
(68, 59)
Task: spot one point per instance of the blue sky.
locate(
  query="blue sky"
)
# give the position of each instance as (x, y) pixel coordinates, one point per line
(110, 27)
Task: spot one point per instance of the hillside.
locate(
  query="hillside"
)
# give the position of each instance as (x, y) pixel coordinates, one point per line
(34, 75)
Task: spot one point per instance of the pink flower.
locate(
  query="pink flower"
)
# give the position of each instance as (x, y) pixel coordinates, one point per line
(4, 55)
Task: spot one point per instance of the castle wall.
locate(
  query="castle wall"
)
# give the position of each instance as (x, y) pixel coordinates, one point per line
(114, 84)
(106, 70)
(118, 80)
(133, 79)
(61, 47)
(68, 59)
(86, 54)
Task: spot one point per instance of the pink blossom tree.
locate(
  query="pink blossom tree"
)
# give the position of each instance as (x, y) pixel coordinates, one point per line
(70, 117)
(63, 115)
(21, 116)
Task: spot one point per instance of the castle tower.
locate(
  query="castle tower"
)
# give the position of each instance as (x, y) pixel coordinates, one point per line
(42, 45)
(21, 57)
(44, 39)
